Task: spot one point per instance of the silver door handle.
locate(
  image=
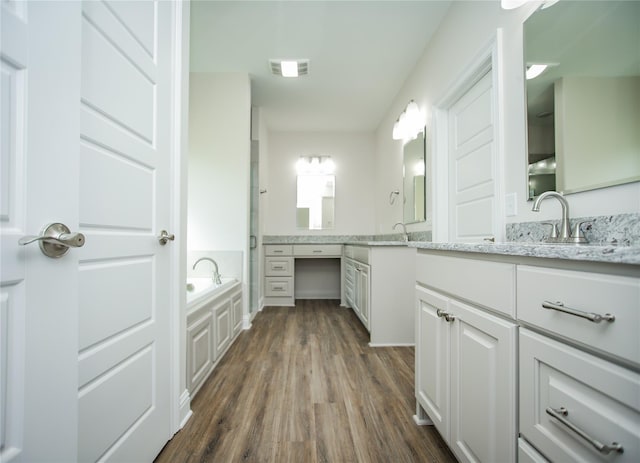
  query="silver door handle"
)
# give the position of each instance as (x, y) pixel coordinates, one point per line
(253, 242)
(55, 240)
(592, 317)
(560, 413)
(165, 237)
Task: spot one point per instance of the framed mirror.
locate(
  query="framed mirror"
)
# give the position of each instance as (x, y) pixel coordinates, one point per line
(315, 197)
(583, 110)
(413, 173)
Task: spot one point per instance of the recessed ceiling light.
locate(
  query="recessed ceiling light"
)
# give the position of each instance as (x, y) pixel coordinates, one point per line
(289, 68)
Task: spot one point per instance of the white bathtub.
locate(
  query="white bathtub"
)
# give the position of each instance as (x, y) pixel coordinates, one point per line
(205, 289)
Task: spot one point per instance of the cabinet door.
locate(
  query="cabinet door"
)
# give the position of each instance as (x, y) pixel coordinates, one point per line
(432, 358)
(483, 385)
(363, 294)
(222, 314)
(199, 352)
(236, 303)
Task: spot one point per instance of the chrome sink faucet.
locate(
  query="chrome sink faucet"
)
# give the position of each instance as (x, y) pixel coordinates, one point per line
(216, 273)
(405, 235)
(564, 235)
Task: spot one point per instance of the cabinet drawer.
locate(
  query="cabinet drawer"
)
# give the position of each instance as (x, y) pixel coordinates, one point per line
(490, 284)
(278, 286)
(278, 266)
(590, 293)
(317, 250)
(601, 400)
(278, 249)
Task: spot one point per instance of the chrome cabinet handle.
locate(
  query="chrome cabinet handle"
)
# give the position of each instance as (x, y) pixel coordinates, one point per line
(592, 317)
(55, 240)
(560, 413)
(165, 237)
(446, 315)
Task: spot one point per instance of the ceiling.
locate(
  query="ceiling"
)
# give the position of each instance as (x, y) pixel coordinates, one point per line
(360, 54)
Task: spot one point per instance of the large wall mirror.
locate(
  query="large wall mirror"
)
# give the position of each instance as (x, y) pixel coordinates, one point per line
(315, 198)
(583, 110)
(413, 173)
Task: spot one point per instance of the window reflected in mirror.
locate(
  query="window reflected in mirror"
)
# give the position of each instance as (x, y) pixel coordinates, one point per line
(315, 203)
(413, 172)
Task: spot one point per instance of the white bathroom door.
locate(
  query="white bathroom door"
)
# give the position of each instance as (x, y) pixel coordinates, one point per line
(40, 56)
(86, 127)
(124, 197)
(473, 198)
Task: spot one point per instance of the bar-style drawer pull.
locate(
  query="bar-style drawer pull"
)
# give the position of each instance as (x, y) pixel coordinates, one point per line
(560, 413)
(277, 288)
(278, 267)
(278, 251)
(592, 317)
(317, 251)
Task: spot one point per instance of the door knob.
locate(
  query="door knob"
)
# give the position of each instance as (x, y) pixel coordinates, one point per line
(165, 237)
(55, 240)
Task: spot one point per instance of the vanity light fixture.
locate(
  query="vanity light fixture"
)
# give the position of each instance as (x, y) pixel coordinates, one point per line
(289, 68)
(534, 70)
(409, 124)
(321, 165)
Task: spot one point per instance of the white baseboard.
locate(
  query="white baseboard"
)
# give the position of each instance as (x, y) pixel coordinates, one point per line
(422, 421)
(185, 408)
(392, 344)
(246, 321)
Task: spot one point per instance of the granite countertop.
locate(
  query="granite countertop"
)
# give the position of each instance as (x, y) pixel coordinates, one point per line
(587, 253)
(590, 253)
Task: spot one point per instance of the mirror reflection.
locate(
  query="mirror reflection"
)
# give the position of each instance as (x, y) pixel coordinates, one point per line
(413, 173)
(315, 203)
(583, 109)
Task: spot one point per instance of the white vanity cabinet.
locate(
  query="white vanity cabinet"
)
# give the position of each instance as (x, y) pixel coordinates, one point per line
(357, 289)
(279, 272)
(211, 328)
(278, 275)
(466, 358)
(569, 328)
(579, 362)
(377, 285)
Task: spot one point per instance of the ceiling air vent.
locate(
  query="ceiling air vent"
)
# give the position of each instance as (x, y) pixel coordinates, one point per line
(289, 68)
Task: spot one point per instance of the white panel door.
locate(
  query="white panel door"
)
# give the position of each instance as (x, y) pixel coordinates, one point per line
(472, 165)
(40, 57)
(432, 358)
(123, 323)
(483, 386)
(84, 339)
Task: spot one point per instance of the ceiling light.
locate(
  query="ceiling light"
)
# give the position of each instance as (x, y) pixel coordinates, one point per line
(535, 70)
(289, 68)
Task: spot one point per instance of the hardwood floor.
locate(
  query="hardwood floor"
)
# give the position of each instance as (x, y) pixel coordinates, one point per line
(304, 386)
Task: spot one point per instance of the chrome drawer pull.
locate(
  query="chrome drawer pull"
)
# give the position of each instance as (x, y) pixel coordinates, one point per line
(592, 317)
(560, 413)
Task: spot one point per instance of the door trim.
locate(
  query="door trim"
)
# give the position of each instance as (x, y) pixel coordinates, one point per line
(489, 59)
(180, 408)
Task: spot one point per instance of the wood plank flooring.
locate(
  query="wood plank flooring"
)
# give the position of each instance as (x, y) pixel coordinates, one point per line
(303, 386)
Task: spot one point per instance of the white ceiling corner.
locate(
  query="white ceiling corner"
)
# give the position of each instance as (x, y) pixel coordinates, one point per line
(360, 52)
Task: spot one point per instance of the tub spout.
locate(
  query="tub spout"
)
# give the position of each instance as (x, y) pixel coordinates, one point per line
(216, 273)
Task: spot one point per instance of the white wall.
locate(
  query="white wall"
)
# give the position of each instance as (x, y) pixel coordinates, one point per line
(466, 30)
(352, 154)
(219, 163)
